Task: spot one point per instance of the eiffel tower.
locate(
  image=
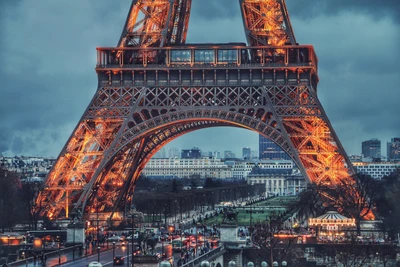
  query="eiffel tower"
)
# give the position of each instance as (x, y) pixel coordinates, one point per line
(153, 88)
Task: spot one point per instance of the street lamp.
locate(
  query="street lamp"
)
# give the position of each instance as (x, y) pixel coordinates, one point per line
(59, 252)
(73, 241)
(162, 247)
(98, 254)
(8, 247)
(127, 255)
(133, 234)
(113, 243)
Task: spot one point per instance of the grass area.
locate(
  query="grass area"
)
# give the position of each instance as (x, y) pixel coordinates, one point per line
(243, 218)
(258, 216)
(277, 202)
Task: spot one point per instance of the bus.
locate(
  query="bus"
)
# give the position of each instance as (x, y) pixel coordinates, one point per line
(179, 243)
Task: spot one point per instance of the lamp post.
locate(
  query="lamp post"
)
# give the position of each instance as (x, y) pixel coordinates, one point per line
(98, 254)
(162, 248)
(59, 252)
(97, 229)
(113, 243)
(165, 215)
(133, 234)
(127, 255)
(8, 247)
(73, 241)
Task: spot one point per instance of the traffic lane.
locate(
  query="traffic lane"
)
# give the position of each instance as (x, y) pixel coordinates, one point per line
(106, 257)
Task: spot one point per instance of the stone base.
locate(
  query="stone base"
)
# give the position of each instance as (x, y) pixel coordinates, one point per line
(75, 235)
(228, 233)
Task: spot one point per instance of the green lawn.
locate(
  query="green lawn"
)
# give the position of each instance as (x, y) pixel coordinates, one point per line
(244, 217)
(277, 201)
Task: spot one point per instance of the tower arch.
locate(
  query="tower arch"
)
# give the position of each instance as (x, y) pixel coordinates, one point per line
(153, 88)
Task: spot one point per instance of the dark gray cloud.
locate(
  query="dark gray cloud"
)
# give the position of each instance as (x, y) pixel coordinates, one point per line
(376, 9)
(305, 9)
(48, 58)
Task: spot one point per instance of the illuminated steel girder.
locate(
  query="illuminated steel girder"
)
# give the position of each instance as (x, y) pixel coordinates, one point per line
(267, 22)
(157, 23)
(150, 93)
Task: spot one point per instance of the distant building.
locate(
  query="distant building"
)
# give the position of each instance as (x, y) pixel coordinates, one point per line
(187, 168)
(355, 158)
(254, 154)
(393, 149)
(241, 169)
(278, 181)
(269, 150)
(160, 153)
(194, 153)
(371, 149)
(207, 154)
(246, 153)
(229, 154)
(217, 154)
(376, 170)
(27, 166)
(173, 152)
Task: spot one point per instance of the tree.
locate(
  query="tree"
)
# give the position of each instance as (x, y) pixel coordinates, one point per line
(27, 194)
(354, 197)
(193, 184)
(309, 204)
(9, 210)
(388, 203)
(271, 247)
(175, 186)
(209, 183)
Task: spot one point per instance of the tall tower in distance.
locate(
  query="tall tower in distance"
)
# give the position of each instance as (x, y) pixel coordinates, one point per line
(246, 153)
(269, 150)
(173, 152)
(371, 149)
(393, 149)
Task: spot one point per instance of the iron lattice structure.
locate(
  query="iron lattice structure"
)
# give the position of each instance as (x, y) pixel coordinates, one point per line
(152, 88)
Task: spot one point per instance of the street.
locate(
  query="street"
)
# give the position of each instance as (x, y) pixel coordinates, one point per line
(105, 256)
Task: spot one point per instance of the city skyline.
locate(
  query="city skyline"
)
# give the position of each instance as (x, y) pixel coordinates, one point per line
(48, 72)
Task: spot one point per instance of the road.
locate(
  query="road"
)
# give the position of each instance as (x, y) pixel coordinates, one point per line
(106, 257)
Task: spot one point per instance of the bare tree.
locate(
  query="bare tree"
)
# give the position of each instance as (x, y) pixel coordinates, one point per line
(309, 204)
(9, 186)
(354, 197)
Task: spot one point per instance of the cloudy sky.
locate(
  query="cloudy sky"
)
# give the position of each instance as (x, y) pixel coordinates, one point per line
(47, 77)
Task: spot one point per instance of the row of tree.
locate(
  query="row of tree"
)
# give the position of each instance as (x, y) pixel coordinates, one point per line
(16, 200)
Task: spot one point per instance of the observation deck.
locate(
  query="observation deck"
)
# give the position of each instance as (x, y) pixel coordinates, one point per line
(223, 64)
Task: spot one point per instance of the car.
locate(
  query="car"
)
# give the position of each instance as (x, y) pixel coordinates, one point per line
(118, 260)
(115, 238)
(95, 264)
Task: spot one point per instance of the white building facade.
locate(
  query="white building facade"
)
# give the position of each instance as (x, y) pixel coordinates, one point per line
(281, 182)
(376, 170)
(186, 168)
(241, 169)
